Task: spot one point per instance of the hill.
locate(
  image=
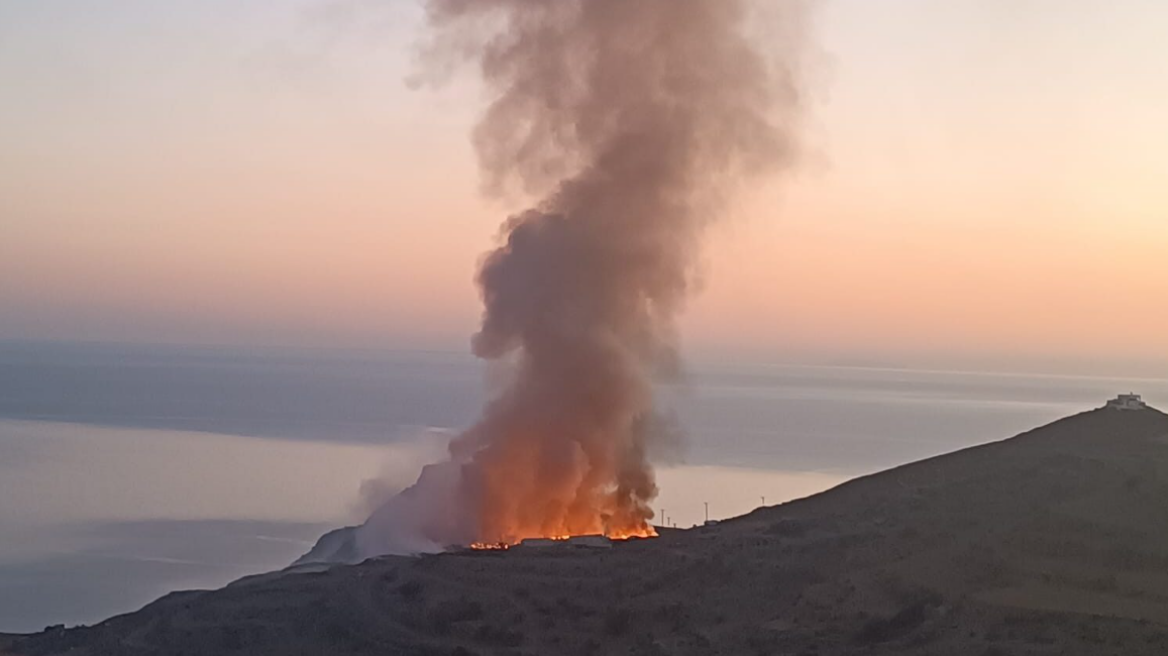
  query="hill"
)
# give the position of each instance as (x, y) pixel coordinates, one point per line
(1053, 542)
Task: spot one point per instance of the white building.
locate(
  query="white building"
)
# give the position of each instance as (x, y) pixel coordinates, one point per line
(1127, 402)
(541, 543)
(590, 542)
(577, 541)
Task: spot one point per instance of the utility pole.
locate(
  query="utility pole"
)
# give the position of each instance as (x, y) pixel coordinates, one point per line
(707, 510)
(763, 501)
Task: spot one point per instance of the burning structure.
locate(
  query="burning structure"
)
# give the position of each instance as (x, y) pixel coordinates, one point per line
(632, 123)
(573, 542)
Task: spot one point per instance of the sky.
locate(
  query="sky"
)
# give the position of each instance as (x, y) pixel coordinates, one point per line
(981, 185)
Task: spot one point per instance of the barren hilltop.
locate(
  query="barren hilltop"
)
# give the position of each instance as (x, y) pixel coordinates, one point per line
(1053, 542)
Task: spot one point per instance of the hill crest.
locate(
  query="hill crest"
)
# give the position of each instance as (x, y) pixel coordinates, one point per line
(1051, 542)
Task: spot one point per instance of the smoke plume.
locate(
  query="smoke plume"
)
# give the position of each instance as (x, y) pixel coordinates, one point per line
(634, 121)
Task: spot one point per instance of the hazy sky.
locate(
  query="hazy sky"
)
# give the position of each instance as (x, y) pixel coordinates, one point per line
(982, 178)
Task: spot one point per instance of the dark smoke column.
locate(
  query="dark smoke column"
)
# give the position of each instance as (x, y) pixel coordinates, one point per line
(634, 120)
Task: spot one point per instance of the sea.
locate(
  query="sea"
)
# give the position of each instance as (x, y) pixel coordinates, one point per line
(128, 471)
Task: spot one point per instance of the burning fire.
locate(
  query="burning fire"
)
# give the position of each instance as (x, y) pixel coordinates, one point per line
(490, 546)
(643, 532)
(520, 492)
(616, 536)
(626, 128)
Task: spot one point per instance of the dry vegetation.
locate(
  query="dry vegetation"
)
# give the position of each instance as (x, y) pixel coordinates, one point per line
(1055, 542)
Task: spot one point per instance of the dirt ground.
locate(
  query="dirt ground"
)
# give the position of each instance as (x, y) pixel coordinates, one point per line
(1053, 542)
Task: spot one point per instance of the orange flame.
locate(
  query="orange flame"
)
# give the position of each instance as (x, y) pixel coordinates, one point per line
(621, 536)
(490, 546)
(646, 531)
(521, 491)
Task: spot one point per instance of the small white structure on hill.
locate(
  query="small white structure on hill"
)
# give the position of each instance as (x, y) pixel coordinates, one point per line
(576, 541)
(541, 543)
(1127, 402)
(590, 542)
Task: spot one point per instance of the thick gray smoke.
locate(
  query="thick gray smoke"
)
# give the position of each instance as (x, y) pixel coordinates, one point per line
(635, 121)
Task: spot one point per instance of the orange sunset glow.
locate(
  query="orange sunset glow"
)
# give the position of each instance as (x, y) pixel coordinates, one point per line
(944, 204)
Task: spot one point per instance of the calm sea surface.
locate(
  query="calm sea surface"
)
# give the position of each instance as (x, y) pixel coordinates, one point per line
(129, 472)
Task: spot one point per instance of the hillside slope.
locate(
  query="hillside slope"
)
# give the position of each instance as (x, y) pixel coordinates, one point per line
(1053, 542)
